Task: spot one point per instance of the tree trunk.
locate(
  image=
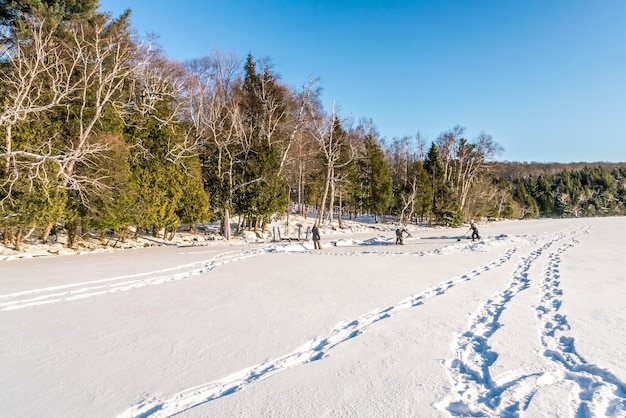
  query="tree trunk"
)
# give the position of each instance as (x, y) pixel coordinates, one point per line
(29, 233)
(71, 234)
(300, 187)
(340, 211)
(18, 238)
(325, 193)
(331, 202)
(46, 233)
(84, 228)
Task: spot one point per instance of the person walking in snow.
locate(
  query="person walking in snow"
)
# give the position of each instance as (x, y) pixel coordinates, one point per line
(399, 236)
(315, 232)
(474, 229)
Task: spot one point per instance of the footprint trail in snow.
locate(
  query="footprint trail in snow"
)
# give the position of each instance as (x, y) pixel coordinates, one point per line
(594, 391)
(74, 291)
(312, 350)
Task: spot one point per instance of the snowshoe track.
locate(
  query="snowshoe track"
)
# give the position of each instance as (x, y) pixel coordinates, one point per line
(312, 350)
(56, 294)
(594, 391)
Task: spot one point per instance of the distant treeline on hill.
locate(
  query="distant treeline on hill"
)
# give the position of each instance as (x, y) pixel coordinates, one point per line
(572, 189)
(511, 169)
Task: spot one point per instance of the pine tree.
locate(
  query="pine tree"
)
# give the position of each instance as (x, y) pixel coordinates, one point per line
(544, 195)
(424, 196)
(525, 200)
(168, 191)
(445, 207)
(260, 190)
(12, 11)
(377, 180)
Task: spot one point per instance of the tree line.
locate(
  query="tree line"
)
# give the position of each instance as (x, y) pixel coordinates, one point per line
(590, 191)
(103, 133)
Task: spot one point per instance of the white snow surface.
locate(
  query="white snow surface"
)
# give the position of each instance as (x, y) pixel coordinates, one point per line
(529, 322)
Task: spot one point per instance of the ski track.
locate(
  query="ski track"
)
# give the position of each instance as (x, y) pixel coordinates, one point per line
(69, 292)
(594, 391)
(312, 350)
(81, 290)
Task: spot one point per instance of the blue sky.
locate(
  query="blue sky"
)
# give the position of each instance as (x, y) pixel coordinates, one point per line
(545, 78)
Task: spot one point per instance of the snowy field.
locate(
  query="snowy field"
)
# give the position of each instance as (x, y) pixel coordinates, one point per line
(530, 321)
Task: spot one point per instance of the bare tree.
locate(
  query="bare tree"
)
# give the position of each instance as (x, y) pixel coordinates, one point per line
(297, 158)
(403, 154)
(463, 161)
(76, 66)
(331, 144)
(212, 107)
(273, 97)
(296, 120)
(34, 79)
(102, 59)
(160, 89)
(84, 70)
(447, 144)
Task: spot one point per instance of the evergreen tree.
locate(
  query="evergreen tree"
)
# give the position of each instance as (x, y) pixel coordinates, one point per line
(12, 11)
(434, 168)
(525, 200)
(445, 207)
(112, 208)
(260, 190)
(544, 195)
(424, 197)
(33, 203)
(567, 193)
(167, 192)
(378, 182)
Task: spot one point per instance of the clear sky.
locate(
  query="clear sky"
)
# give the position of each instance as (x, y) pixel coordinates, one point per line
(545, 78)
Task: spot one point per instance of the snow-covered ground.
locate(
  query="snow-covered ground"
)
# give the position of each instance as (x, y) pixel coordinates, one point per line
(529, 321)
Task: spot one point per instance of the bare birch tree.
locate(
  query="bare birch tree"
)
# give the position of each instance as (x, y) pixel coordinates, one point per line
(34, 79)
(471, 163)
(463, 161)
(331, 145)
(54, 67)
(404, 156)
(102, 61)
(212, 108)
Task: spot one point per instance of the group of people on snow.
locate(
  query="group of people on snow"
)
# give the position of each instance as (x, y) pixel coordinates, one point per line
(400, 232)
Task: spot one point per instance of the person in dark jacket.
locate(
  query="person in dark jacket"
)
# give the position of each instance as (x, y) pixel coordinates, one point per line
(315, 232)
(399, 236)
(474, 229)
